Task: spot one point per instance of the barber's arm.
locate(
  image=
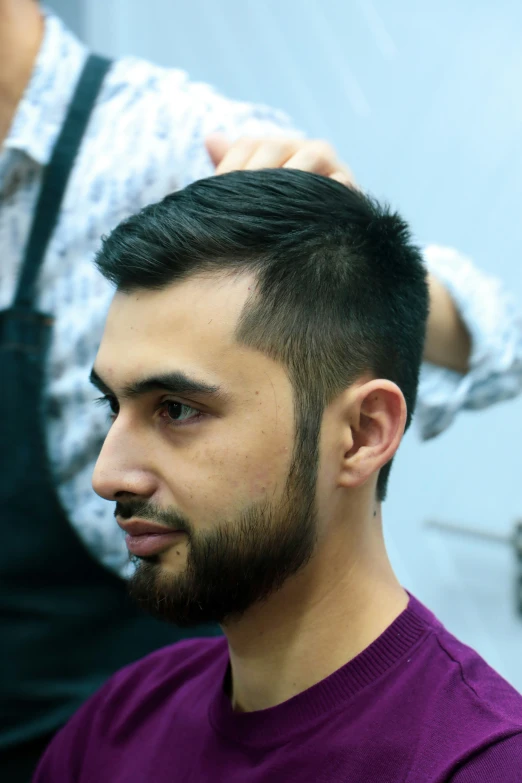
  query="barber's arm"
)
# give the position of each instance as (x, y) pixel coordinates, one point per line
(473, 354)
(448, 341)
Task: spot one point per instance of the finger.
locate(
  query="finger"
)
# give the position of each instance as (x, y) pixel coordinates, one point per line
(315, 156)
(239, 153)
(345, 178)
(217, 146)
(272, 154)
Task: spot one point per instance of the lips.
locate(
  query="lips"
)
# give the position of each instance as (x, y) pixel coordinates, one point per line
(146, 538)
(138, 528)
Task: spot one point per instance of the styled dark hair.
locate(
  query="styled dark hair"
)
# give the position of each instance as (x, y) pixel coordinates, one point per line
(341, 289)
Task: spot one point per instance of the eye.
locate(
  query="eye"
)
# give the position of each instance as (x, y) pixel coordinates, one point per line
(177, 412)
(111, 401)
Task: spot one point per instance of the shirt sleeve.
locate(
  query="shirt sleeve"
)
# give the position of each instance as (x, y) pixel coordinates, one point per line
(499, 763)
(495, 325)
(199, 110)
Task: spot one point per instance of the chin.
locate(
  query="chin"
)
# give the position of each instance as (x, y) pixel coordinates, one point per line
(172, 562)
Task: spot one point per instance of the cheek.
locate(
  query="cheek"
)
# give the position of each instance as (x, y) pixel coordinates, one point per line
(218, 476)
(262, 472)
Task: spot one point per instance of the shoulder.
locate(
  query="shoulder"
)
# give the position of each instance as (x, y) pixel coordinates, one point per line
(167, 104)
(480, 684)
(131, 80)
(140, 144)
(465, 707)
(146, 137)
(500, 762)
(166, 94)
(137, 695)
(135, 80)
(132, 151)
(167, 678)
(160, 675)
(176, 664)
(459, 675)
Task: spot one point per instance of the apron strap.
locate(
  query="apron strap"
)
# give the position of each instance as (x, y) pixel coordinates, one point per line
(56, 175)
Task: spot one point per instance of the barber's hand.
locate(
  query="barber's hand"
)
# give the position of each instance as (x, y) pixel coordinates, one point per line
(273, 153)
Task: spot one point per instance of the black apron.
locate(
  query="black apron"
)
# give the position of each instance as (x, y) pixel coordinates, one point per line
(66, 623)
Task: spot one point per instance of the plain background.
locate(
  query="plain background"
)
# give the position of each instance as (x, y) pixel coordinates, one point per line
(423, 101)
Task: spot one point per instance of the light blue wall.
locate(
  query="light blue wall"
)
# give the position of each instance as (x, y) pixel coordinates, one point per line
(71, 12)
(423, 100)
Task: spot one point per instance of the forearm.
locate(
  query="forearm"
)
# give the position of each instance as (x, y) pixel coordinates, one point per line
(490, 343)
(448, 342)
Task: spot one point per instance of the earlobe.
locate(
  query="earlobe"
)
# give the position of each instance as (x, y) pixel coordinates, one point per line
(377, 421)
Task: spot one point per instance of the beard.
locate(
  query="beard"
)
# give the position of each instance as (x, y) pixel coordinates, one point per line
(234, 565)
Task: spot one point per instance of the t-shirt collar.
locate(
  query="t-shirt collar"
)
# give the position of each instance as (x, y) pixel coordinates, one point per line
(273, 726)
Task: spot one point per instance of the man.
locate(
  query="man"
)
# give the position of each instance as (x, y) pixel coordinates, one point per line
(140, 133)
(84, 144)
(260, 362)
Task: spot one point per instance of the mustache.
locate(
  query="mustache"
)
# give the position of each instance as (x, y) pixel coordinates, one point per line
(144, 509)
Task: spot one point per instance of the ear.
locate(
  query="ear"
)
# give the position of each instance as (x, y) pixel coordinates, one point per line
(375, 418)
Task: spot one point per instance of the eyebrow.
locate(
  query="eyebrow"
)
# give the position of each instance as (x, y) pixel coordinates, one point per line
(176, 382)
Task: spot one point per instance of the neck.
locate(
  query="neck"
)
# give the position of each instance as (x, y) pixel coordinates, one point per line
(21, 33)
(323, 617)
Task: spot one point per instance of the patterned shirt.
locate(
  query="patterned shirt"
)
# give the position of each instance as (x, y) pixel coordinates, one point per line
(146, 139)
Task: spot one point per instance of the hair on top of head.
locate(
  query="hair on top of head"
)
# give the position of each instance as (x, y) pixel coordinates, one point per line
(341, 288)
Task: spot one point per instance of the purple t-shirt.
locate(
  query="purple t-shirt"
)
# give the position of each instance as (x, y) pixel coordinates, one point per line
(416, 706)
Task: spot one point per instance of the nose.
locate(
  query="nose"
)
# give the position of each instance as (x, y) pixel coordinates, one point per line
(121, 467)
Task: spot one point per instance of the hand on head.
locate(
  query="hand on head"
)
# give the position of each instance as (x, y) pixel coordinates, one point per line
(315, 156)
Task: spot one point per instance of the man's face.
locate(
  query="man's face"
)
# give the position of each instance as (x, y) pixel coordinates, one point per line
(202, 443)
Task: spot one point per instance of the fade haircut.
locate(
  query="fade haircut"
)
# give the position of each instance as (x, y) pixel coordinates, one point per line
(341, 289)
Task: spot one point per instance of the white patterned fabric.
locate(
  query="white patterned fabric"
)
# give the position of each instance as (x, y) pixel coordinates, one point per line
(146, 139)
(495, 325)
